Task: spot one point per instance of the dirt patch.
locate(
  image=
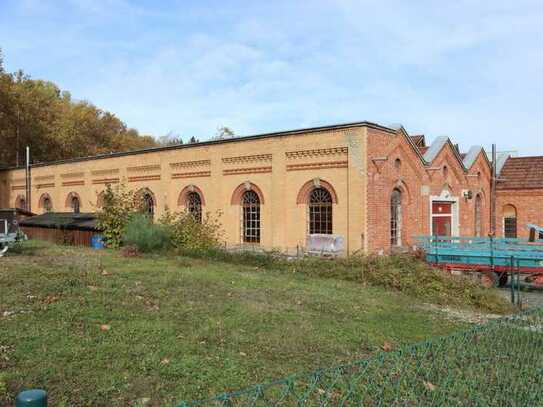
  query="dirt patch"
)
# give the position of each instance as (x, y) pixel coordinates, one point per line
(471, 317)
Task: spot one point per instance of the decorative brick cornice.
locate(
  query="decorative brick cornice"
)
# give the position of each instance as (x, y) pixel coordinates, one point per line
(144, 168)
(195, 174)
(105, 181)
(253, 170)
(47, 185)
(18, 187)
(109, 171)
(20, 179)
(144, 178)
(190, 164)
(73, 183)
(316, 166)
(73, 175)
(245, 159)
(44, 178)
(321, 152)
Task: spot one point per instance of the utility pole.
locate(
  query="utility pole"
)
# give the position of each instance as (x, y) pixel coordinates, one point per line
(493, 191)
(28, 181)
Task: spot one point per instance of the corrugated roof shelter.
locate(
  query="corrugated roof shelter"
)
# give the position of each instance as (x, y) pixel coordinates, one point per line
(65, 228)
(63, 220)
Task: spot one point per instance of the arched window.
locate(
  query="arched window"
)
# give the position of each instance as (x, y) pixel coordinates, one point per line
(75, 204)
(148, 204)
(194, 205)
(320, 212)
(478, 215)
(396, 218)
(47, 204)
(20, 203)
(250, 203)
(510, 222)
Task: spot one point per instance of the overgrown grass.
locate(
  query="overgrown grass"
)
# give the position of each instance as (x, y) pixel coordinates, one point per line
(94, 328)
(145, 235)
(402, 273)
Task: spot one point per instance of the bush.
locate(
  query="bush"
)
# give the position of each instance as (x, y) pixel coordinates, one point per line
(188, 233)
(402, 273)
(118, 207)
(146, 236)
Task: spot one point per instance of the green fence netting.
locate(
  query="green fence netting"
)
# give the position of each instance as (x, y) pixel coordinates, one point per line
(499, 363)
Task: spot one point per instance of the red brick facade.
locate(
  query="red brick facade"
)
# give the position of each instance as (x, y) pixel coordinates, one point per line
(394, 162)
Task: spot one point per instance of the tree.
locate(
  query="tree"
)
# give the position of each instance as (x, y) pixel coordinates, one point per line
(39, 114)
(193, 140)
(170, 139)
(224, 132)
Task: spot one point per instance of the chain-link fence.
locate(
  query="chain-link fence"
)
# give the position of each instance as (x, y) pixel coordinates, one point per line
(499, 363)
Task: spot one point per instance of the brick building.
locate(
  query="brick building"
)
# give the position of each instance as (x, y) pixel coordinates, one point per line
(375, 186)
(519, 195)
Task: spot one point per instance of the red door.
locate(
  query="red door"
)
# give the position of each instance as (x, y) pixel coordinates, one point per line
(442, 218)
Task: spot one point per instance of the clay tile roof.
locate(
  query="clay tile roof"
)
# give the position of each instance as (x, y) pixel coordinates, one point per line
(522, 173)
(418, 140)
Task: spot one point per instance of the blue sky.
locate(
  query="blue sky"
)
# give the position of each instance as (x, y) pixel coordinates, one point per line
(471, 70)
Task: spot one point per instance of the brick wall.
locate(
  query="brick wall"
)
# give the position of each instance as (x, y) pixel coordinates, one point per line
(529, 207)
(393, 163)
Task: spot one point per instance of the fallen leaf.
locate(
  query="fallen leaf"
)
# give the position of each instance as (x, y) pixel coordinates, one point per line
(105, 273)
(242, 354)
(430, 386)
(105, 327)
(387, 346)
(165, 361)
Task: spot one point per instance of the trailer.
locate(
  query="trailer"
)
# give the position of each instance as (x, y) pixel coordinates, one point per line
(495, 259)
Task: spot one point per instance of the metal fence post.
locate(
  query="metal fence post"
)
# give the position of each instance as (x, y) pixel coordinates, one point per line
(31, 398)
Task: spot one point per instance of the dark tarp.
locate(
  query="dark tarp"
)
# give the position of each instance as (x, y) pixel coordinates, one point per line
(63, 220)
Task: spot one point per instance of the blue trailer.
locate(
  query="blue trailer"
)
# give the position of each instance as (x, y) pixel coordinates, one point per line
(494, 258)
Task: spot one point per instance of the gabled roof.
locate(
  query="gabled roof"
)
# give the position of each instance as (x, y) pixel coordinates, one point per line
(471, 156)
(419, 140)
(521, 173)
(435, 148)
(438, 145)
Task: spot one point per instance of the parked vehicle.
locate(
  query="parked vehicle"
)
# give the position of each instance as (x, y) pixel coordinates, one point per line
(495, 259)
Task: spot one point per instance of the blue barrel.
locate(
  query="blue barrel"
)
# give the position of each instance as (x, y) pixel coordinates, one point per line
(31, 398)
(97, 242)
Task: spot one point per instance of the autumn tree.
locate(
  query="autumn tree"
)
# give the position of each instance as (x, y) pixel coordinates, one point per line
(39, 114)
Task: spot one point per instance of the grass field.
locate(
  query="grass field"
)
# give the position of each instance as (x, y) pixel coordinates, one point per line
(94, 328)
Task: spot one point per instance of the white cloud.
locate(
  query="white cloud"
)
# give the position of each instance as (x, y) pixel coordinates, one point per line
(467, 69)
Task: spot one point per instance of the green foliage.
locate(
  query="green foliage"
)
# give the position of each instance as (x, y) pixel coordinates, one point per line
(188, 233)
(142, 233)
(119, 206)
(402, 273)
(182, 327)
(38, 114)
(498, 363)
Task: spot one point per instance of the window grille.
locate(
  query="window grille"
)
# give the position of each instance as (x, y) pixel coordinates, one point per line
(148, 204)
(510, 227)
(395, 218)
(76, 204)
(194, 205)
(250, 203)
(320, 212)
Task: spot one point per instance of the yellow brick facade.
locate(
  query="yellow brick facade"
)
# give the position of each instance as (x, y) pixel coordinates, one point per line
(279, 165)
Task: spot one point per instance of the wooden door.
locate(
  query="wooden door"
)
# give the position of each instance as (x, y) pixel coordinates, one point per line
(442, 218)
